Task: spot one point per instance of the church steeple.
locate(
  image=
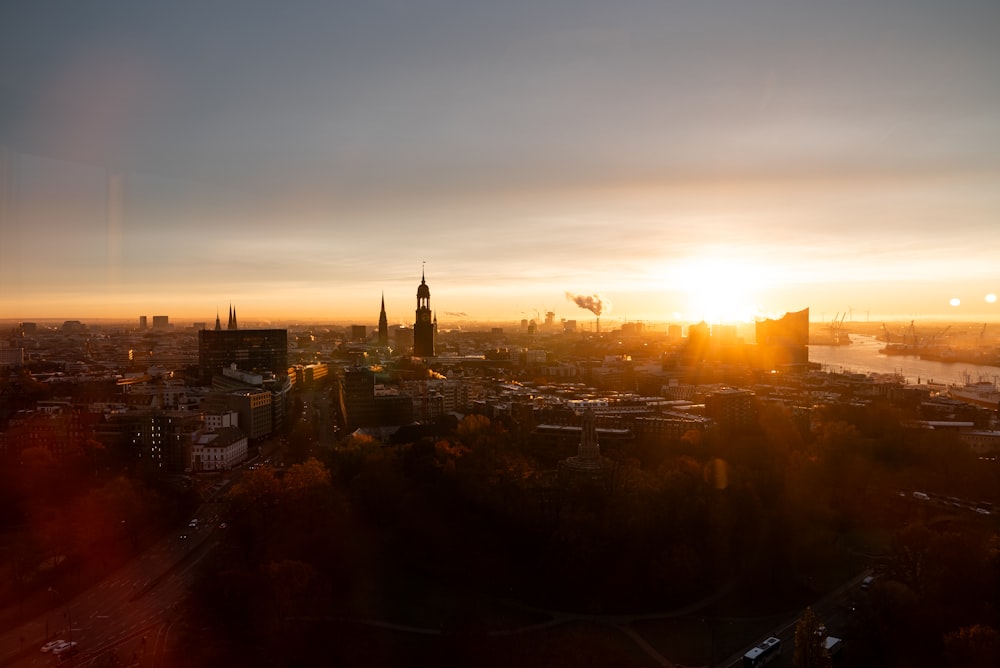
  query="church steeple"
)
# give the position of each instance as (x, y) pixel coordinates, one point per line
(218, 323)
(383, 326)
(423, 328)
(232, 317)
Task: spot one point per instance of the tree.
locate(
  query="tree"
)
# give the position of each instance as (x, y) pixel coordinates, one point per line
(310, 474)
(809, 650)
(972, 646)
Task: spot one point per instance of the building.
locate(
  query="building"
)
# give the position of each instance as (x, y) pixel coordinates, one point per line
(981, 441)
(363, 404)
(218, 450)
(219, 420)
(357, 397)
(783, 342)
(425, 325)
(731, 408)
(161, 322)
(308, 374)
(252, 405)
(11, 355)
(359, 333)
(254, 350)
(383, 326)
(54, 425)
(152, 439)
(233, 379)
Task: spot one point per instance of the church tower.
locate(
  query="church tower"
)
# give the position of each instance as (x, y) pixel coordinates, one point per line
(383, 326)
(423, 328)
(232, 318)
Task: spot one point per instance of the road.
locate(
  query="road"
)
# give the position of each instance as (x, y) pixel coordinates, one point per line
(832, 610)
(129, 614)
(127, 618)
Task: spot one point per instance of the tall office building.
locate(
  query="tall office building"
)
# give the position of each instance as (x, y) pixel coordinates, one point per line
(249, 349)
(425, 325)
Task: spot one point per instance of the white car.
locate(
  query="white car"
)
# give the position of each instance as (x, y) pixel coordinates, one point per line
(64, 649)
(52, 644)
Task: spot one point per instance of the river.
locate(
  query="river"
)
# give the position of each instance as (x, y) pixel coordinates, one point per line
(863, 356)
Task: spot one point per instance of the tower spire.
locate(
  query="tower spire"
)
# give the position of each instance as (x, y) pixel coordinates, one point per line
(383, 325)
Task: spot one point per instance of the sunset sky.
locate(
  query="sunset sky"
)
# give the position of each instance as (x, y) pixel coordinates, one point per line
(683, 159)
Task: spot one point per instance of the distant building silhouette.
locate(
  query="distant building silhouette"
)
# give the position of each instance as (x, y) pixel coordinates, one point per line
(383, 326)
(699, 338)
(425, 326)
(784, 341)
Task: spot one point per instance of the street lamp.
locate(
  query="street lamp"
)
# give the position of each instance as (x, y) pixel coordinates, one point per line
(67, 615)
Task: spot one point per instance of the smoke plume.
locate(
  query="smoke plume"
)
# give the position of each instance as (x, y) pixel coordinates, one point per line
(592, 303)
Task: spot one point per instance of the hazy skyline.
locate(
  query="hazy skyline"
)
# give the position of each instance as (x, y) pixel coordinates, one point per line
(685, 160)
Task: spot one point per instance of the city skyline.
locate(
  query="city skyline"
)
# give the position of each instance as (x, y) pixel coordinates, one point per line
(716, 162)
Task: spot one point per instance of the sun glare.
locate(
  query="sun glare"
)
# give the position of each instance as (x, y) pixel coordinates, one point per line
(719, 291)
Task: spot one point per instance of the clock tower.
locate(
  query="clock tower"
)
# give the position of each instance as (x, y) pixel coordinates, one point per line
(425, 325)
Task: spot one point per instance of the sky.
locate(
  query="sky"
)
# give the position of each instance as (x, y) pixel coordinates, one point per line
(680, 159)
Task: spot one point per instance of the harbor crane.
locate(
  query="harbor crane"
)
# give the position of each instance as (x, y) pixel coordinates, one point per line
(930, 341)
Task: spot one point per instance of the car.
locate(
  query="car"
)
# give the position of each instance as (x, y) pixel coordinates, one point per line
(223, 525)
(193, 524)
(868, 582)
(183, 536)
(52, 644)
(66, 649)
(983, 511)
(59, 647)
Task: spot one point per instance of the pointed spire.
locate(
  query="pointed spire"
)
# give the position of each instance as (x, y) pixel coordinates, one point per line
(383, 325)
(218, 323)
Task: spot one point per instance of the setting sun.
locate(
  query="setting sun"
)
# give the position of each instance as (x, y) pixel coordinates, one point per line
(719, 290)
